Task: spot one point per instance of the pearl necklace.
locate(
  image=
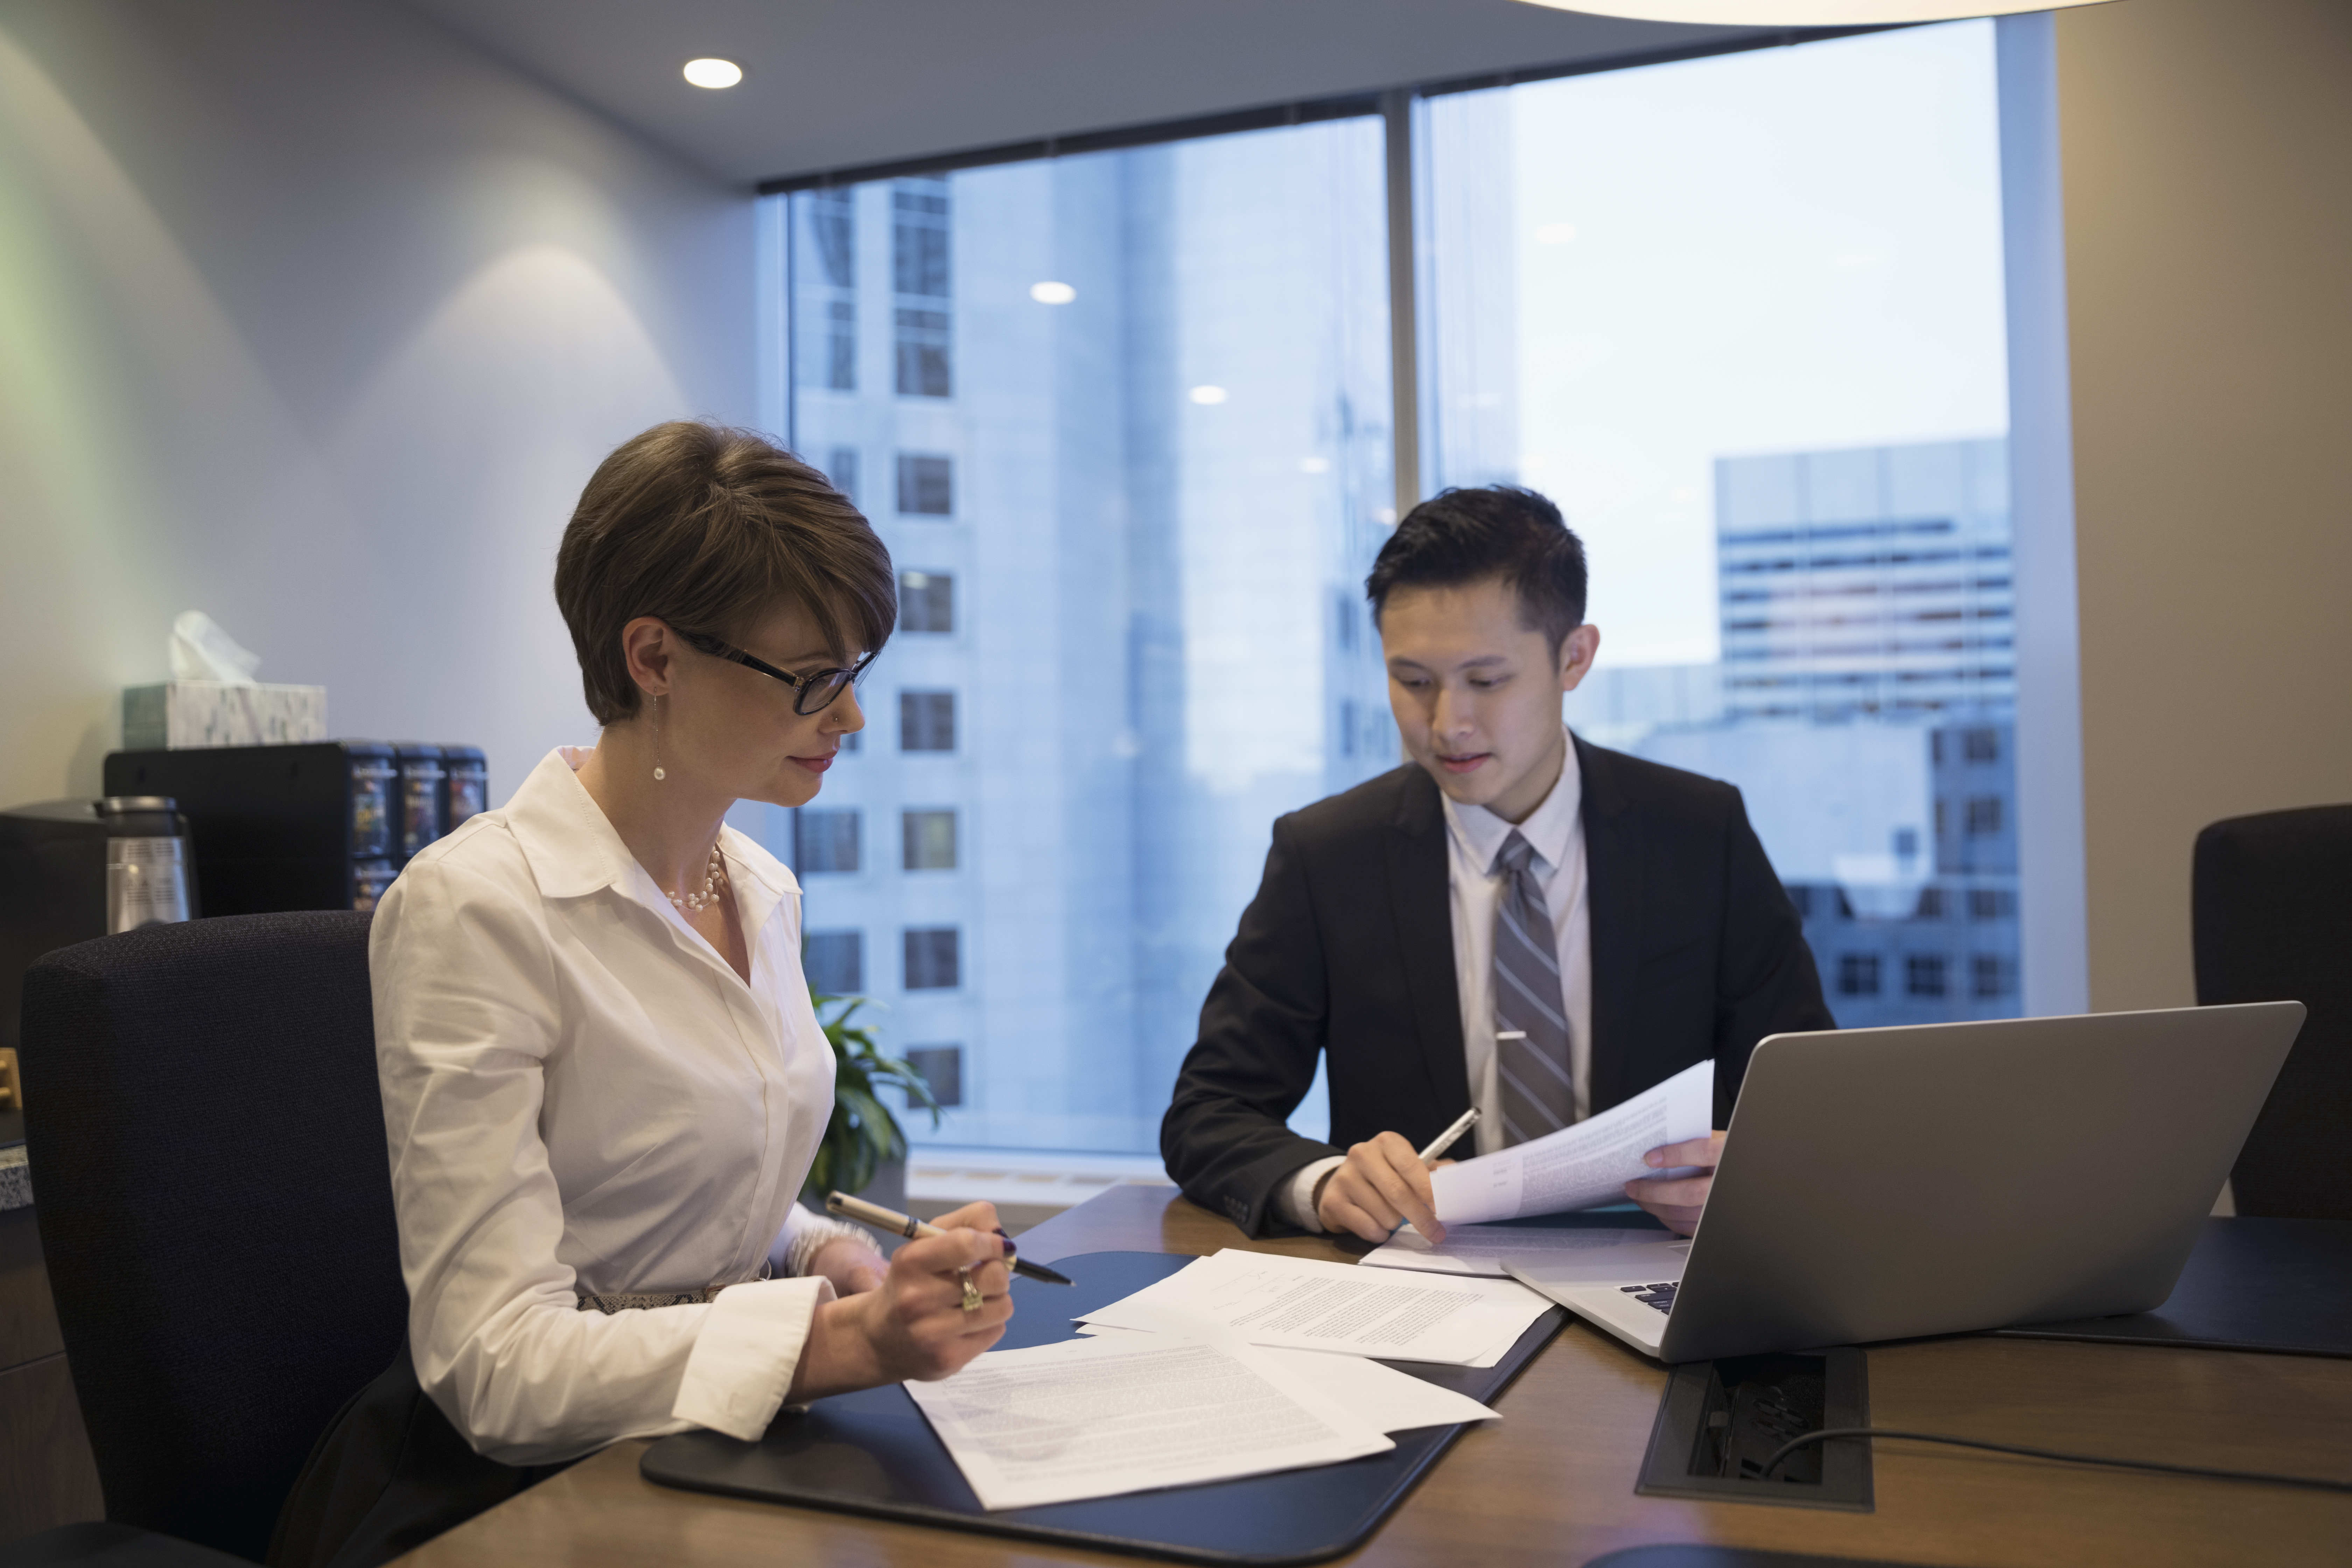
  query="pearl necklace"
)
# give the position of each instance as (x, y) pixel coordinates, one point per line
(713, 880)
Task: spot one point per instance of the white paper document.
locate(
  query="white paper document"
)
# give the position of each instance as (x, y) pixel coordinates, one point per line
(1304, 1304)
(1483, 1250)
(1381, 1396)
(1583, 1167)
(1124, 1413)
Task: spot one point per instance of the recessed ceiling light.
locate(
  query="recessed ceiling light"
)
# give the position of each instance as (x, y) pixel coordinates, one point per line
(1052, 293)
(713, 73)
(1804, 13)
(1205, 394)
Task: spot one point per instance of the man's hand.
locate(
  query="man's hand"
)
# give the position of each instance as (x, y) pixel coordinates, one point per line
(1679, 1200)
(1383, 1185)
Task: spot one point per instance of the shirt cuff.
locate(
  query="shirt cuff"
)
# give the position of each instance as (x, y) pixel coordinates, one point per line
(742, 1362)
(1294, 1199)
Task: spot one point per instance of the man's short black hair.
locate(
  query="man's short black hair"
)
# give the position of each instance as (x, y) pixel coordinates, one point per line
(1458, 537)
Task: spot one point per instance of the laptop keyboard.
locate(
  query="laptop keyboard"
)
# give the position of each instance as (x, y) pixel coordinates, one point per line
(1662, 1297)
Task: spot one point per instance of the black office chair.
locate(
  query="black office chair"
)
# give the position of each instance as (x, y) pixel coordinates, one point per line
(203, 1120)
(2272, 902)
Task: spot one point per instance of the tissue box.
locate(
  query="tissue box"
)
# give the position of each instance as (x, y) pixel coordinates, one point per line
(213, 713)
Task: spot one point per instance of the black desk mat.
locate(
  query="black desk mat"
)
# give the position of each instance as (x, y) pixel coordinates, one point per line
(2282, 1285)
(873, 1453)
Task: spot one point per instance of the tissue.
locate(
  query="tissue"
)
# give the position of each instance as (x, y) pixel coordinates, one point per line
(213, 699)
(201, 651)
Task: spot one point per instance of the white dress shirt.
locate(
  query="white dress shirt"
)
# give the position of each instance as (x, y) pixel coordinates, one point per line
(1473, 837)
(580, 1092)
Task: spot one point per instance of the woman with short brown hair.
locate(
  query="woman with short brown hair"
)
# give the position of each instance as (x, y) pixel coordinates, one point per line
(603, 1084)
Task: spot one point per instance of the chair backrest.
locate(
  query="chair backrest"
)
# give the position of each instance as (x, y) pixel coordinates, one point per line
(207, 1147)
(2273, 907)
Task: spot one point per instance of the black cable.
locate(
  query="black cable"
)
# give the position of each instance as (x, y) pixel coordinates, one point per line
(2313, 1482)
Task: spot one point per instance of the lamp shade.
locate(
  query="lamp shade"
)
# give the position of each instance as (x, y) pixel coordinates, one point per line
(1805, 13)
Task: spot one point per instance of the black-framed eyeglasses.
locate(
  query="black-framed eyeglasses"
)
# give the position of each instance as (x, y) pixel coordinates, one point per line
(812, 693)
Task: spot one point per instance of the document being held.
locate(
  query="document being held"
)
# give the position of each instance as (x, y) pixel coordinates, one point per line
(1131, 1412)
(1583, 1167)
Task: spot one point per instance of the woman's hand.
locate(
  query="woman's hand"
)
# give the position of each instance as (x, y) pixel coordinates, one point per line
(913, 1323)
(854, 1266)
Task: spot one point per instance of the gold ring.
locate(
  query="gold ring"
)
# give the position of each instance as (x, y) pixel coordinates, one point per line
(970, 1291)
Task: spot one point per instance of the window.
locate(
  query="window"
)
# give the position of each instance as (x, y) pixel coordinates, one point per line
(1992, 904)
(920, 275)
(1991, 974)
(942, 1069)
(1983, 745)
(1984, 815)
(927, 722)
(841, 468)
(828, 840)
(926, 485)
(1857, 974)
(1923, 974)
(836, 961)
(831, 245)
(931, 840)
(1176, 359)
(934, 958)
(926, 602)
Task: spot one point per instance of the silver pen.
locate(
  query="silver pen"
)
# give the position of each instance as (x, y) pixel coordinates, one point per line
(1446, 1139)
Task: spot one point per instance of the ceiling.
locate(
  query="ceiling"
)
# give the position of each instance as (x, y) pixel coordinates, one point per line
(832, 84)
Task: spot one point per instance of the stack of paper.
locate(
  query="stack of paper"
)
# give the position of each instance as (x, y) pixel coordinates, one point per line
(1224, 1369)
(1298, 1303)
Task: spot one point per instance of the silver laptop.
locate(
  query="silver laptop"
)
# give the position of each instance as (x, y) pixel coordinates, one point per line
(1944, 1178)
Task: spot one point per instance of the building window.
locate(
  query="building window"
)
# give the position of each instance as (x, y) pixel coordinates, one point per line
(1984, 815)
(926, 602)
(1923, 974)
(942, 1069)
(926, 485)
(1346, 726)
(1930, 906)
(841, 468)
(934, 958)
(835, 962)
(1982, 745)
(930, 840)
(1992, 974)
(825, 840)
(920, 273)
(833, 237)
(927, 720)
(1857, 974)
(1991, 903)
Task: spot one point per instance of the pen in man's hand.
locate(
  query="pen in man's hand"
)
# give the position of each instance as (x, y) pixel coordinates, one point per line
(1446, 1139)
(881, 1218)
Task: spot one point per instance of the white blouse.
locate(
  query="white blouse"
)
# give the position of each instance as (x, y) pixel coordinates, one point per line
(579, 1093)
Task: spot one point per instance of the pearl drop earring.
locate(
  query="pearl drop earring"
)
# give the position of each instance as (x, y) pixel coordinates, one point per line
(659, 774)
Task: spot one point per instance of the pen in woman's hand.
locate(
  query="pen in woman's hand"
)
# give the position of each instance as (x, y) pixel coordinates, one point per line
(897, 1224)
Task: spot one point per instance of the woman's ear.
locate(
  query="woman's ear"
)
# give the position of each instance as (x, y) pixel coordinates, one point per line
(647, 646)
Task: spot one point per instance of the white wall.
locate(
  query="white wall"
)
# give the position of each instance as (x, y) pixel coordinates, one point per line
(316, 318)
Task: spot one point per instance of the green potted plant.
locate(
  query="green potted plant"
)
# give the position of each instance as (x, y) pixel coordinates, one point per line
(862, 1139)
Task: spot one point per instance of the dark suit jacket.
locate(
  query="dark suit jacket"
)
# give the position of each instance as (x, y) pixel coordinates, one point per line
(1349, 949)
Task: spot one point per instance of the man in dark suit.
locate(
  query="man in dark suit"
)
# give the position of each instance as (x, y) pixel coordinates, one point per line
(1514, 919)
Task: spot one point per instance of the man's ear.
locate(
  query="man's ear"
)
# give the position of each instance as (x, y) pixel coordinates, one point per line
(1577, 651)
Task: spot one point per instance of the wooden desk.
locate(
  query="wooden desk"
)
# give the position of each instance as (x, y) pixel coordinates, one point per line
(1553, 1480)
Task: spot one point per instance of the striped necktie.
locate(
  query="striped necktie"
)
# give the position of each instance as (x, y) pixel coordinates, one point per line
(1530, 1019)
